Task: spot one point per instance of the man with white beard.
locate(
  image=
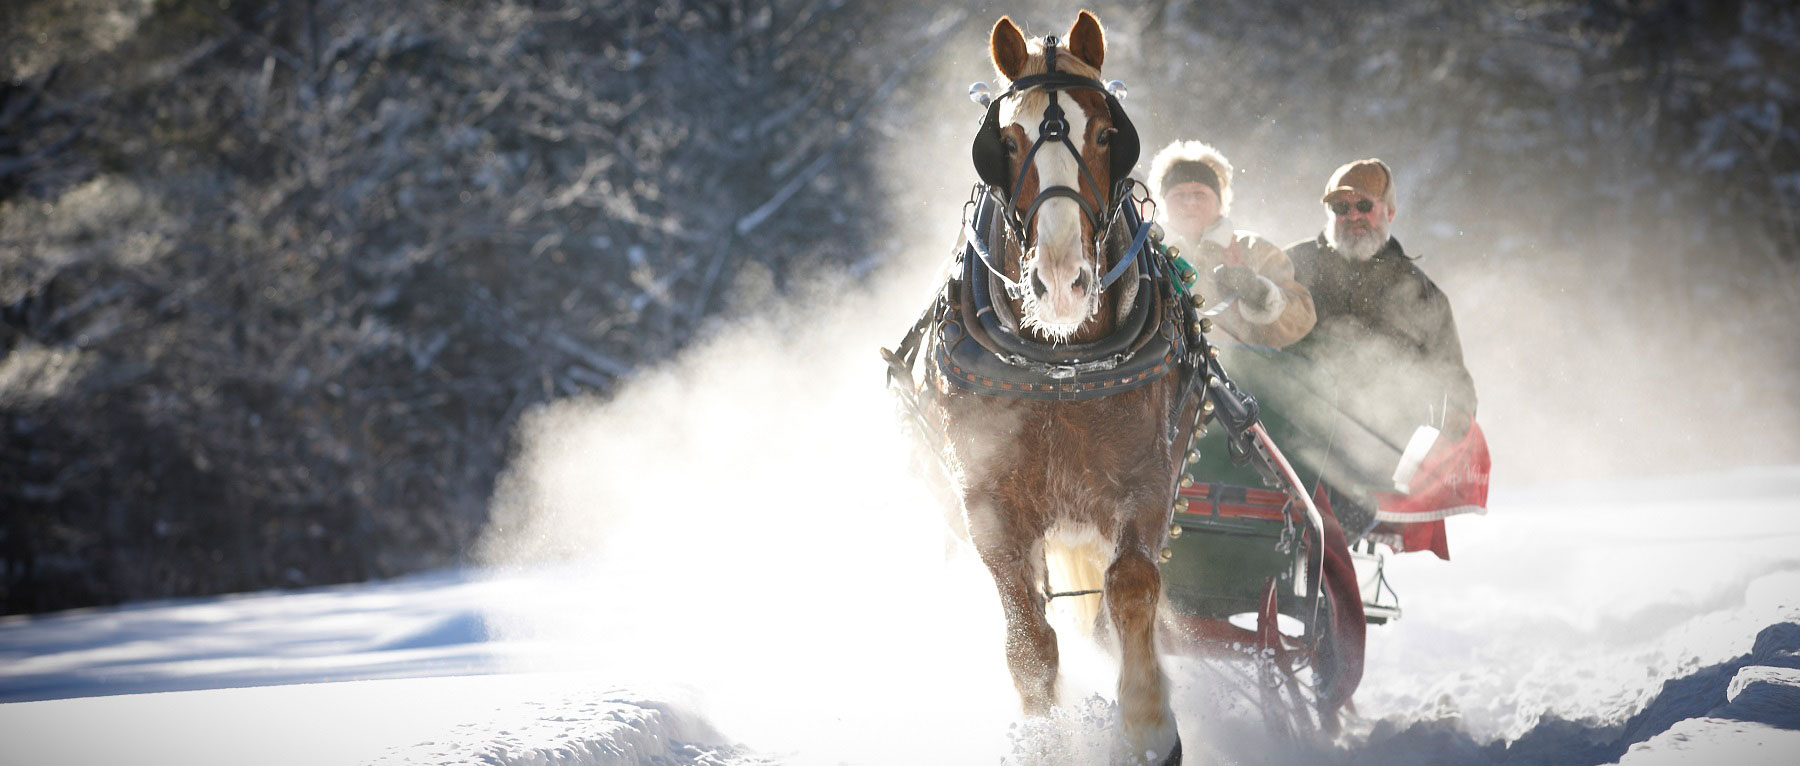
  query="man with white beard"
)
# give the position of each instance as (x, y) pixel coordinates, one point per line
(1383, 351)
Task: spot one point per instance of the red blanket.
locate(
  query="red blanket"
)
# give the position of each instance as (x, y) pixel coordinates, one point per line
(1452, 480)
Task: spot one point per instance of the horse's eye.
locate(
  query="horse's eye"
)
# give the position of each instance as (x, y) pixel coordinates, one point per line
(1106, 136)
(1011, 146)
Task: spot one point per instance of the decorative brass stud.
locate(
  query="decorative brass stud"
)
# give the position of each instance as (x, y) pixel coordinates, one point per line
(1187, 481)
(1199, 301)
(1193, 457)
(1174, 252)
(1198, 328)
(1181, 505)
(1174, 531)
(1213, 351)
(1206, 406)
(1205, 325)
(1165, 555)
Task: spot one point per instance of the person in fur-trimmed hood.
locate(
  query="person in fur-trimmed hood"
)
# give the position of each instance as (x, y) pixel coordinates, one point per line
(1247, 276)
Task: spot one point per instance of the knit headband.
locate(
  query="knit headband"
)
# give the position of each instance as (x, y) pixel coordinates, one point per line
(1190, 172)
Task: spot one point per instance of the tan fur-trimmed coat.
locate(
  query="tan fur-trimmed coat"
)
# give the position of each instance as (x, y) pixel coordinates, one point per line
(1288, 318)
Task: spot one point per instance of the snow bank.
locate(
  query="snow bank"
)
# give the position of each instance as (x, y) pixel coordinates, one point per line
(526, 719)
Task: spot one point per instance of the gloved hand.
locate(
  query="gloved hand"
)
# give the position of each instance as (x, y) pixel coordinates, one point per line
(1234, 279)
(1240, 280)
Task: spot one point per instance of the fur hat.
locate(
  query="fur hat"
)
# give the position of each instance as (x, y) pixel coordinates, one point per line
(1179, 153)
(1370, 178)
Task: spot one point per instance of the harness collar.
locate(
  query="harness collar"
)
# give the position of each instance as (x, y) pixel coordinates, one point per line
(979, 348)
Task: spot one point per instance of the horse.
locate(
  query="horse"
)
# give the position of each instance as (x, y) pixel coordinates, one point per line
(1060, 387)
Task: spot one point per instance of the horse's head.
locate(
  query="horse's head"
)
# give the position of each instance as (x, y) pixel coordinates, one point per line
(1056, 144)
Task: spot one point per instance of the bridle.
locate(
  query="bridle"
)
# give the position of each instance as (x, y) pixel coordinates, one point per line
(991, 163)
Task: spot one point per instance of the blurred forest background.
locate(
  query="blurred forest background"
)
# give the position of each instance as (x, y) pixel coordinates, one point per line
(279, 279)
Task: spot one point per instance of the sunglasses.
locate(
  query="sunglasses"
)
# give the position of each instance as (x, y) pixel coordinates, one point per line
(1343, 208)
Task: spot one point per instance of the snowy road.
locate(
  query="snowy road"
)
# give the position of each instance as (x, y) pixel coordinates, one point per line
(1576, 621)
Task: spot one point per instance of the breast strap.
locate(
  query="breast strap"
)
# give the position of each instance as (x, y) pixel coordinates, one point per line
(977, 351)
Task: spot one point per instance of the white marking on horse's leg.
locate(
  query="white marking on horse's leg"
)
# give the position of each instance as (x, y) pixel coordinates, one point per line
(1076, 558)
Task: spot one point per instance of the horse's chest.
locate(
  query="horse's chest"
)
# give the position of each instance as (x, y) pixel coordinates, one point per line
(1066, 459)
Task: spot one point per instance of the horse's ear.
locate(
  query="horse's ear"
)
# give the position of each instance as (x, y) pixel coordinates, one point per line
(1087, 40)
(1007, 46)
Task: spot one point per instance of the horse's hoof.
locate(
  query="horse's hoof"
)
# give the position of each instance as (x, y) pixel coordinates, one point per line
(1174, 758)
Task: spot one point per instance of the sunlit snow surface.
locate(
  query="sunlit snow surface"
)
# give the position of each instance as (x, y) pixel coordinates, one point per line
(1571, 602)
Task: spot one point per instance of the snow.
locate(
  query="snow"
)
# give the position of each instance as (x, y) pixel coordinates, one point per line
(1572, 616)
(1716, 741)
(1626, 580)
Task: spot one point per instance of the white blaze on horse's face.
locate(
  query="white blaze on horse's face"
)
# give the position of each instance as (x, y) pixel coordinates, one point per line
(1059, 266)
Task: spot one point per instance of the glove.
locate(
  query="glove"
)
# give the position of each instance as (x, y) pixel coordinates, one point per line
(1242, 281)
(1235, 279)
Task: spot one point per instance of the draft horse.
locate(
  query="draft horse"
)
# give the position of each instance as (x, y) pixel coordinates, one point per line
(1059, 385)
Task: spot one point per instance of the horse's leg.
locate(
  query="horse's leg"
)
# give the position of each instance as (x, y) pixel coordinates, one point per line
(1031, 651)
(1133, 585)
(1017, 566)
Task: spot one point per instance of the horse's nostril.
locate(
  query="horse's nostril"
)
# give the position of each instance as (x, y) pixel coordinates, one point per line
(1038, 287)
(1081, 282)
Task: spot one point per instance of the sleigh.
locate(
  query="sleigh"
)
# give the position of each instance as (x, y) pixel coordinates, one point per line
(1258, 563)
(1257, 567)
